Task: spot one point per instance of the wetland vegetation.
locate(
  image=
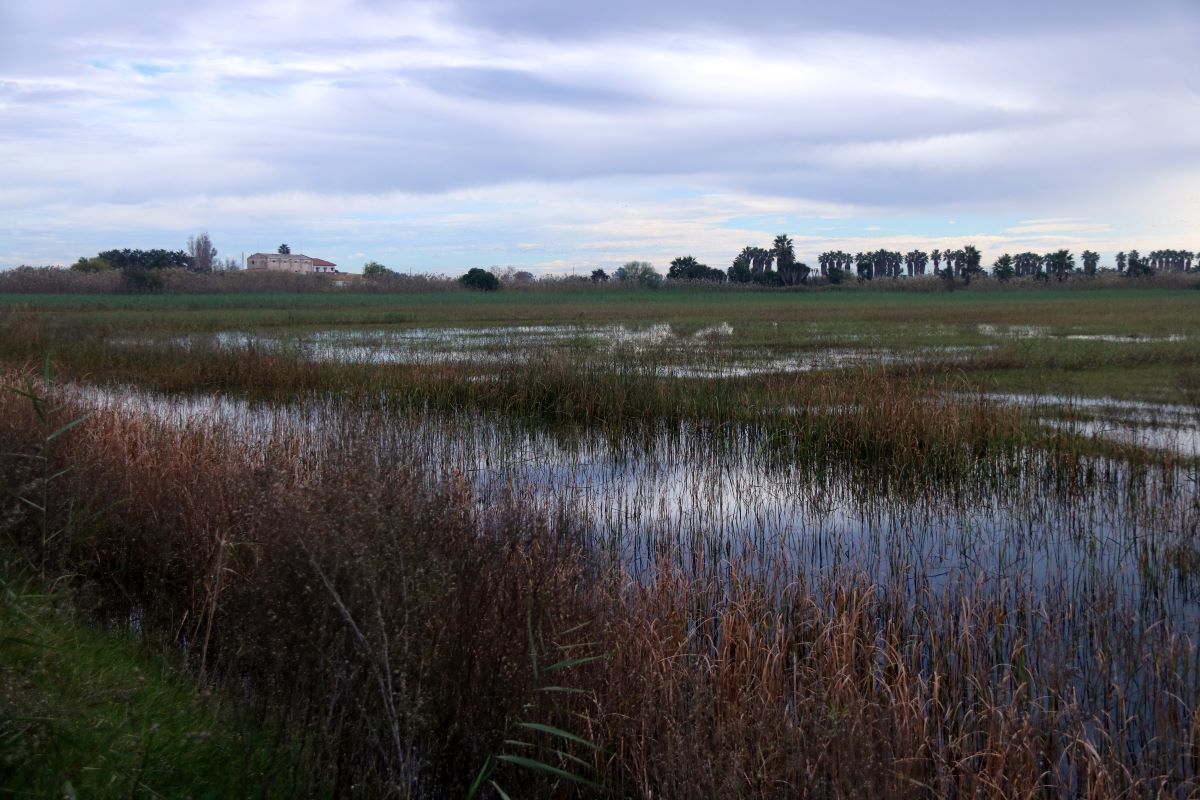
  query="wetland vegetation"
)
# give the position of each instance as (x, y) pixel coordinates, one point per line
(689, 542)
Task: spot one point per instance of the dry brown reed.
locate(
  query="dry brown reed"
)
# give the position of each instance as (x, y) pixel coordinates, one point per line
(384, 615)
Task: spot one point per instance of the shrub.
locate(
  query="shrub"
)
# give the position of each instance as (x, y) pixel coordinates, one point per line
(480, 279)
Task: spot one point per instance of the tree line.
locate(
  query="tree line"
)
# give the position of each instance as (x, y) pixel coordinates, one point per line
(777, 265)
(200, 256)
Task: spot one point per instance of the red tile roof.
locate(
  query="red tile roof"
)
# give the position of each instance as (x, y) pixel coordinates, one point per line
(320, 262)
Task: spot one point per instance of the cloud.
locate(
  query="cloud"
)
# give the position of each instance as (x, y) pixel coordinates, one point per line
(148, 120)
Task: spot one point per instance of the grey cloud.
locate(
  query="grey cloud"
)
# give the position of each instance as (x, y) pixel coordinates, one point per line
(929, 18)
(517, 87)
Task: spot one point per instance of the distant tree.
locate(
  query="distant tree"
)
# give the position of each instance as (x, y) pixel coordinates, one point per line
(1003, 269)
(94, 264)
(887, 263)
(284, 250)
(639, 272)
(1091, 260)
(790, 272)
(739, 271)
(202, 252)
(599, 276)
(1171, 260)
(687, 268)
(684, 267)
(480, 279)
(864, 263)
(915, 262)
(1059, 264)
(1121, 260)
(936, 255)
(824, 262)
(955, 262)
(760, 260)
(971, 263)
(1027, 264)
(373, 270)
(836, 274)
(1136, 266)
(146, 259)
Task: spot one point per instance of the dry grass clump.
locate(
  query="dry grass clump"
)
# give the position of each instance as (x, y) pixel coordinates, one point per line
(52, 280)
(383, 613)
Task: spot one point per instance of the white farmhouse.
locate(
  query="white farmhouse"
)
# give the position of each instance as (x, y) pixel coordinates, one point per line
(290, 262)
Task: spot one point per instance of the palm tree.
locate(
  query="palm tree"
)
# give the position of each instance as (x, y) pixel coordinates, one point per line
(895, 260)
(740, 270)
(760, 260)
(1027, 264)
(1003, 269)
(916, 261)
(970, 264)
(1091, 259)
(936, 255)
(863, 263)
(1136, 266)
(1059, 264)
(952, 258)
(1121, 262)
(785, 260)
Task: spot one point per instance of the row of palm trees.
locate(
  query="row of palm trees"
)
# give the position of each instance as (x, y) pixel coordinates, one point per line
(1172, 260)
(754, 264)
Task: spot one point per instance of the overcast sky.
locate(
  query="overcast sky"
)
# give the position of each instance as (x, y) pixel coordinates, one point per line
(557, 136)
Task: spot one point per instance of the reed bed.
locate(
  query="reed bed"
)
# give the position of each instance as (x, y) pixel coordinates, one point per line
(865, 414)
(358, 586)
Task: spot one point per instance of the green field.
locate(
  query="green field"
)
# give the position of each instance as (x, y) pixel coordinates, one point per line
(1162, 325)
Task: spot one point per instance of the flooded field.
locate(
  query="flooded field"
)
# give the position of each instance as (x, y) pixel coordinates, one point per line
(709, 352)
(706, 352)
(731, 493)
(795, 545)
(1115, 544)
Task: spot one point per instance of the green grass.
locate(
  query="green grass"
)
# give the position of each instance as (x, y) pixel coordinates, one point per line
(781, 322)
(88, 713)
(1137, 310)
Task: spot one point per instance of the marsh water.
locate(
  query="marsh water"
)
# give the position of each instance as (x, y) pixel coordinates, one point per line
(711, 352)
(726, 493)
(1093, 567)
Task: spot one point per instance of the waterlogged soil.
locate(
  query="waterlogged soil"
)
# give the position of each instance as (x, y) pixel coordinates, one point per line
(712, 352)
(1042, 332)
(670, 352)
(1152, 426)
